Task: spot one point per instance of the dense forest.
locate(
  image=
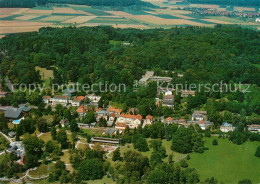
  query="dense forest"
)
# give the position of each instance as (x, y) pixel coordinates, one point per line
(91, 55)
(228, 2)
(33, 3)
(86, 55)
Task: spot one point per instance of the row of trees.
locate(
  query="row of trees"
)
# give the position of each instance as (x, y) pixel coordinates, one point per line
(33, 3)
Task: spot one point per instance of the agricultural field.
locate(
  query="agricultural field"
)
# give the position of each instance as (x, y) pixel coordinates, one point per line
(240, 162)
(166, 15)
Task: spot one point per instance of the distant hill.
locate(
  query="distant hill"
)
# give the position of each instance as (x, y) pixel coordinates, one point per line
(33, 3)
(228, 2)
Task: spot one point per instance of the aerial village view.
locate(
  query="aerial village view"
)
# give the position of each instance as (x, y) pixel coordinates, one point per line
(130, 91)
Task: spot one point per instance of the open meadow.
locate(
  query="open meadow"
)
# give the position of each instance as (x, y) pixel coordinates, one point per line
(227, 162)
(166, 15)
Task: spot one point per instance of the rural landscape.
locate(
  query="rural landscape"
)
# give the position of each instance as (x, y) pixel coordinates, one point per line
(164, 14)
(130, 91)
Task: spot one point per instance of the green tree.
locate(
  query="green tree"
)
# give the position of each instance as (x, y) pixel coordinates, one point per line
(215, 142)
(116, 155)
(62, 138)
(53, 133)
(91, 169)
(257, 153)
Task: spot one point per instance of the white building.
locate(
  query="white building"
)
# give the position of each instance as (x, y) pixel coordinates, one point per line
(148, 120)
(199, 115)
(227, 127)
(254, 128)
(132, 121)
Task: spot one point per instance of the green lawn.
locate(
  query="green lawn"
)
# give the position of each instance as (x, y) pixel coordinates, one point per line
(46, 137)
(104, 180)
(42, 170)
(227, 162)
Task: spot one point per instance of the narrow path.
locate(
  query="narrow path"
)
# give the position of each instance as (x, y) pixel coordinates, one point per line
(9, 139)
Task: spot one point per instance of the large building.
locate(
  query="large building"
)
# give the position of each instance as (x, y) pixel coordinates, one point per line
(149, 76)
(132, 121)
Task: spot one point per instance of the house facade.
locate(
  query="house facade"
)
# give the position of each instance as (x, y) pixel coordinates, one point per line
(254, 128)
(82, 110)
(148, 120)
(132, 121)
(199, 115)
(168, 101)
(227, 127)
(60, 99)
(102, 114)
(3, 94)
(77, 101)
(186, 93)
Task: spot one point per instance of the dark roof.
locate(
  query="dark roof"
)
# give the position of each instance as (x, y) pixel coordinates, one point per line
(13, 113)
(110, 131)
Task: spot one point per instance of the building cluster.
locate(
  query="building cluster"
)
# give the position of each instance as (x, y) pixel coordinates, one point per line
(69, 98)
(228, 13)
(149, 76)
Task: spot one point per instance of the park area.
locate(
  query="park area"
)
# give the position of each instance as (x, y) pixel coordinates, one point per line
(227, 162)
(166, 15)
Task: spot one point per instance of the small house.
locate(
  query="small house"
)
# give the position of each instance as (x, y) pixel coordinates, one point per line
(3, 94)
(168, 101)
(82, 110)
(169, 120)
(254, 128)
(46, 99)
(199, 115)
(64, 122)
(186, 93)
(60, 99)
(102, 114)
(226, 127)
(148, 120)
(205, 124)
(77, 101)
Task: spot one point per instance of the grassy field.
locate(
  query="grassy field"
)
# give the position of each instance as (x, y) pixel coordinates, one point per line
(42, 170)
(15, 20)
(227, 162)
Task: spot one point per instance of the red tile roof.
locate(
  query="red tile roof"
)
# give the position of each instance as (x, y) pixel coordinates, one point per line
(114, 109)
(46, 97)
(113, 115)
(169, 119)
(3, 93)
(81, 109)
(138, 116)
(149, 117)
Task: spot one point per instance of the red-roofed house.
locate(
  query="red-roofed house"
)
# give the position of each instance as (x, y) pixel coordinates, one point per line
(46, 99)
(169, 120)
(130, 120)
(114, 110)
(3, 94)
(77, 101)
(112, 117)
(82, 110)
(120, 126)
(148, 120)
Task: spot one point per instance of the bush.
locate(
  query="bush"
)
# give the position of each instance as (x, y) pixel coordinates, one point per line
(184, 164)
(215, 142)
(257, 152)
